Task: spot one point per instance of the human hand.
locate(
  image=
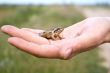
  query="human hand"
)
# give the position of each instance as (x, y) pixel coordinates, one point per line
(78, 38)
(29, 41)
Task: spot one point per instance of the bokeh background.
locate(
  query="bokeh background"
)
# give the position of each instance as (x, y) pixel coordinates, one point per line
(48, 14)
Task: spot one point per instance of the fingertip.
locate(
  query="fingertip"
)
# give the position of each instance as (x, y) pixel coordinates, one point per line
(13, 40)
(6, 27)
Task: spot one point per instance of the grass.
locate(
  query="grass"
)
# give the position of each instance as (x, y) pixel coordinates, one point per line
(43, 17)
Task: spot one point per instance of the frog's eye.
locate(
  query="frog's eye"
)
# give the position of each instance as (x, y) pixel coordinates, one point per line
(50, 33)
(56, 30)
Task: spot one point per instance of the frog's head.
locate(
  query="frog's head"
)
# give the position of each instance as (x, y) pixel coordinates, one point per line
(58, 30)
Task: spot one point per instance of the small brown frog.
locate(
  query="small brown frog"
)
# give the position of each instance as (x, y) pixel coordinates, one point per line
(54, 34)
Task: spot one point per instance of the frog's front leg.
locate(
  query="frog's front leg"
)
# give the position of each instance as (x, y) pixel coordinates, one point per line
(56, 37)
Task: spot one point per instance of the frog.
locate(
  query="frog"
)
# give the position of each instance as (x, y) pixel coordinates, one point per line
(53, 34)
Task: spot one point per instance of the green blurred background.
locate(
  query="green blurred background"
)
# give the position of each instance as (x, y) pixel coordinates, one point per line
(44, 17)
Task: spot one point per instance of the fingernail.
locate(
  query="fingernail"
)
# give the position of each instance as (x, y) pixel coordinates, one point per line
(5, 27)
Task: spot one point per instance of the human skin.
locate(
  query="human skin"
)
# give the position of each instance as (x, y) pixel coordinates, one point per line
(80, 37)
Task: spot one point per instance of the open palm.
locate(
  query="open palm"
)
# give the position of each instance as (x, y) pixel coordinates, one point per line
(29, 40)
(76, 38)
